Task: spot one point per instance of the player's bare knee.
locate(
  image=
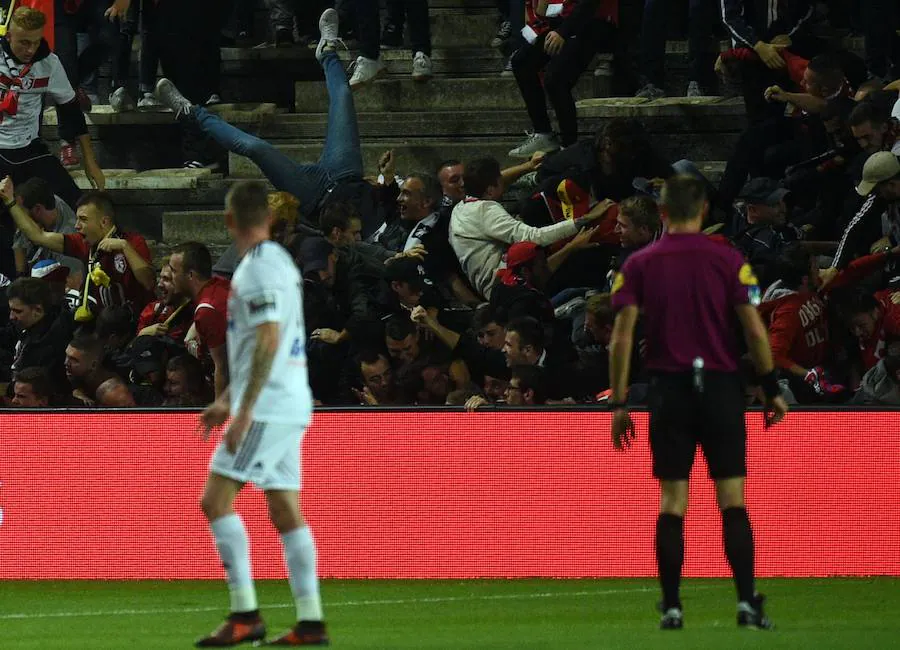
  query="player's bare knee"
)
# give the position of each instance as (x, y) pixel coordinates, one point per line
(213, 506)
(673, 497)
(284, 511)
(730, 493)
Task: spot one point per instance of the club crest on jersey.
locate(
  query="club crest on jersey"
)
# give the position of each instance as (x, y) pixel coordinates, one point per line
(120, 263)
(27, 84)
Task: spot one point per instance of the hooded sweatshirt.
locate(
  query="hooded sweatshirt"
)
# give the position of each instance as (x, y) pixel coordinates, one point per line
(798, 328)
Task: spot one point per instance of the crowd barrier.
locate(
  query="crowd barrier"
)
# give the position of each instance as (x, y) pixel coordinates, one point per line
(444, 494)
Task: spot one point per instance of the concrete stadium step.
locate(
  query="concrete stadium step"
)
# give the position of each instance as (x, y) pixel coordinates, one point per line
(103, 115)
(421, 154)
(442, 93)
(141, 198)
(156, 179)
(702, 129)
(206, 225)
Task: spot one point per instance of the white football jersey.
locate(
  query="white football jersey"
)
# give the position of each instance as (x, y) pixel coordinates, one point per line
(30, 83)
(267, 287)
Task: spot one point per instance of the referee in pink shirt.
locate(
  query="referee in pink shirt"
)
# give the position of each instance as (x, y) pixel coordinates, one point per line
(690, 292)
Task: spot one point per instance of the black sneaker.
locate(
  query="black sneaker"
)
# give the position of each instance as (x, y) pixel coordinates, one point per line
(751, 615)
(391, 36)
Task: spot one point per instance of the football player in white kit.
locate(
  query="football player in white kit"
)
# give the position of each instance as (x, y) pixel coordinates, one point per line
(270, 405)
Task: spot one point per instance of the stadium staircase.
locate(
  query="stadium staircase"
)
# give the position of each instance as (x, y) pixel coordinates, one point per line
(466, 109)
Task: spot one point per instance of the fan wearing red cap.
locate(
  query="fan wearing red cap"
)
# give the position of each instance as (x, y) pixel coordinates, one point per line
(519, 291)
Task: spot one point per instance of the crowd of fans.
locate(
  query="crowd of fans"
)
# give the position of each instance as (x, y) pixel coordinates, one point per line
(470, 284)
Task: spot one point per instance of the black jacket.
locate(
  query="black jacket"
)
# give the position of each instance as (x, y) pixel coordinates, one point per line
(44, 345)
(751, 21)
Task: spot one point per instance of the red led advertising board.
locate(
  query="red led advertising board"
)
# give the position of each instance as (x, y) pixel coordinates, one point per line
(442, 495)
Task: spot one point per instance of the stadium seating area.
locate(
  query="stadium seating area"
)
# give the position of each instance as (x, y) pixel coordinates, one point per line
(410, 298)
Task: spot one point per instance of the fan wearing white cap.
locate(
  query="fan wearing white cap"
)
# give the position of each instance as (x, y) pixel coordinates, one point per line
(881, 174)
(879, 216)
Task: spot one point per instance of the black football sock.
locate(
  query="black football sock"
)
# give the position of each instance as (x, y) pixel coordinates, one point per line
(670, 557)
(739, 549)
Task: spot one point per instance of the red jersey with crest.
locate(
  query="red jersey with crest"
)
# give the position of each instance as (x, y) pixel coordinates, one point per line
(210, 317)
(158, 312)
(798, 328)
(124, 288)
(872, 351)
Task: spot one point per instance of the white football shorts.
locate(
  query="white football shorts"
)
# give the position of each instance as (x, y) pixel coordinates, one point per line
(268, 457)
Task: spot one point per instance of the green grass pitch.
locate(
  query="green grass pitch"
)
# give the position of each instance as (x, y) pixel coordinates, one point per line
(816, 613)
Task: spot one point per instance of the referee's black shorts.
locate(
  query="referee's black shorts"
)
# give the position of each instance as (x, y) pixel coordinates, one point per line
(681, 418)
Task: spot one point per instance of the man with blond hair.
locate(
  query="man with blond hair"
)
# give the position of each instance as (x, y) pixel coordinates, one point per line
(28, 72)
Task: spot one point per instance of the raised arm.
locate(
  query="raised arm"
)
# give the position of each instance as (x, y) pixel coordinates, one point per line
(34, 233)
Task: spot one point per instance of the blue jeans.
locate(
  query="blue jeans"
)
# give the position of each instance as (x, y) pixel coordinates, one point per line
(341, 158)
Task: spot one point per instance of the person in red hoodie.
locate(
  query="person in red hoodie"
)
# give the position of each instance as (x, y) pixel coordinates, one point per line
(562, 38)
(873, 320)
(798, 326)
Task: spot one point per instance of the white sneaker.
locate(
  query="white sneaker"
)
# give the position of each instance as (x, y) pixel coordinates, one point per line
(422, 69)
(365, 70)
(536, 142)
(120, 101)
(149, 101)
(170, 97)
(694, 90)
(329, 29)
(213, 100)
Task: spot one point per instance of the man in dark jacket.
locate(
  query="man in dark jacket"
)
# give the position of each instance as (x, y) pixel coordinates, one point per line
(43, 330)
(767, 27)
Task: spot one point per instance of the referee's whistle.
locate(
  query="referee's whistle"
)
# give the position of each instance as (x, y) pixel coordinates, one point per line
(698, 375)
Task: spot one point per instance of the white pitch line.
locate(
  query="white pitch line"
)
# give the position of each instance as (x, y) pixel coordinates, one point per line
(347, 603)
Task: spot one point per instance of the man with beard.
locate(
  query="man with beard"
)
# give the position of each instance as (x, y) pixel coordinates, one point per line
(168, 315)
(92, 384)
(191, 265)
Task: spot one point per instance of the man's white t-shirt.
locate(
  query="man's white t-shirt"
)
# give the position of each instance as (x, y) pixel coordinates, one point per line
(44, 77)
(267, 288)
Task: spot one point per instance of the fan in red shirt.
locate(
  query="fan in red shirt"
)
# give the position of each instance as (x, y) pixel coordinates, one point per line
(798, 326)
(192, 272)
(170, 315)
(121, 271)
(873, 320)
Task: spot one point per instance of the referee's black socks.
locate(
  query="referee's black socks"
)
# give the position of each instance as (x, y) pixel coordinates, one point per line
(670, 557)
(739, 550)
